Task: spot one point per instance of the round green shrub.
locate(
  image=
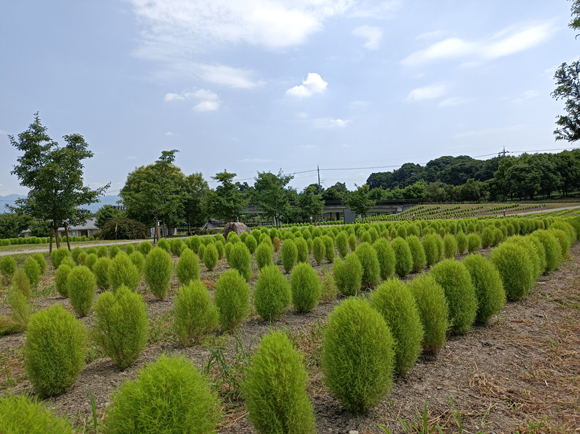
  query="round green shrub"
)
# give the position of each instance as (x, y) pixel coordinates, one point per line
(23, 415)
(498, 236)
(122, 272)
(187, 268)
(210, 256)
(449, 246)
(370, 263)
(114, 250)
(81, 287)
(302, 249)
(232, 298)
(342, 244)
(487, 238)
(138, 260)
(358, 355)
(103, 252)
(263, 255)
(567, 228)
(537, 248)
(488, 287)
(366, 237)
(329, 288)
(534, 255)
(461, 242)
(92, 250)
(54, 351)
(101, 272)
(69, 262)
(352, 242)
(164, 244)
(75, 253)
(39, 258)
(58, 255)
(417, 253)
(201, 252)
(386, 257)
(455, 280)
(289, 255)
(473, 243)
(158, 271)
(251, 244)
(121, 327)
(429, 243)
(348, 274)
(276, 406)
(516, 268)
(167, 396)
(60, 280)
(194, 313)
(551, 248)
(272, 294)
(318, 250)
(232, 238)
(564, 240)
(8, 266)
(241, 260)
(306, 288)
(433, 311)
(129, 250)
(404, 256)
(175, 246)
(402, 232)
(91, 261)
(394, 301)
(144, 247)
(329, 252)
(32, 271)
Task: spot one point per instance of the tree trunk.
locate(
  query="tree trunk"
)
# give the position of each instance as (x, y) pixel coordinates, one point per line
(50, 245)
(56, 236)
(66, 233)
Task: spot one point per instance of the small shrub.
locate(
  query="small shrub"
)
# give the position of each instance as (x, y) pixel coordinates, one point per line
(276, 406)
(251, 244)
(187, 268)
(101, 272)
(123, 229)
(348, 274)
(329, 252)
(8, 266)
(276, 244)
(92, 250)
(138, 260)
(488, 287)
(157, 272)
(433, 310)
(23, 415)
(210, 256)
(201, 252)
(417, 253)
(69, 262)
(429, 243)
(233, 238)
(358, 355)
(167, 396)
(144, 247)
(487, 238)
(306, 288)
(473, 243)
(403, 256)
(75, 253)
(60, 280)
(449, 246)
(232, 298)
(263, 255)
(318, 250)
(272, 294)
(302, 249)
(54, 350)
(551, 247)
(129, 250)
(386, 257)
(81, 286)
(58, 255)
(194, 313)
(220, 247)
(32, 271)
(164, 244)
(515, 267)
(394, 301)
(103, 252)
(342, 244)
(370, 263)
(352, 242)
(122, 272)
(114, 250)
(91, 261)
(455, 280)
(461, 242)
(366, 237)
(564, 240)
(498, 237)
(329, 288)
(175, 246)
(120, 327)
(241, 260)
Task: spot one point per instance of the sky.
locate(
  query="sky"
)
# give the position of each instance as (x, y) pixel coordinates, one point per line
(267, 85)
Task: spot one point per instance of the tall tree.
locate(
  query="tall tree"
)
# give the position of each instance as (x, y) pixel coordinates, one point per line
(226, 202)
(11, 224)
(194, 207)
(359, 200)
(271, 194)
(310, 203)
(106, 213)
(54, 175)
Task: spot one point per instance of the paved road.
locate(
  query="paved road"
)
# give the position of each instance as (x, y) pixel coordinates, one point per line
(548, 210)
(73, 245)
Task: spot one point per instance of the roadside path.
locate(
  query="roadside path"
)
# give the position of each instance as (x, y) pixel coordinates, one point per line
(548, 210)
(73, 245)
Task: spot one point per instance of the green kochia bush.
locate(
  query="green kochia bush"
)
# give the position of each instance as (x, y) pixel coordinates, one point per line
(432, 307)
(39, 257)
(404, 256)
(276, 396)
(429, 243)
(8, 266)
(552, 249)
(81, 286)
(272, 294)
(386, 257)
(515, 267)
(251, 244)
(232, 298)
(157, 272)
(101, 272)
(329, 252)
(194, 313)
(60, 280)
(417, 253)
(54, 351)
(487, 238)
(263, 255)
(129, 250)
(473, 242)
(103, 252)
(23, 415)
(488, 287)
(358, 355)
(75, 253)
(121, 326)
(188, 267)
(370, 263)
(57, 256)
(20, 282)
(348, 274)
(114, 250)
(394, 301)
(318, 250)
(144, 247)
(210, 256)
(241, 260)
(449, 246)
(302, 249)
(306, 288)
(352, 242)
(176, 245)
(32, 271)
(122, 272)
(342, 244)
(138, 260)
(564, 240)
(91, 261)
(289, 254)
(164, 244)
(461, 242)
(168, 396)
(454, 277)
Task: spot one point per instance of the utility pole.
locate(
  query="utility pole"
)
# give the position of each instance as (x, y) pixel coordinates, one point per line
(503, 153)
(320, 191)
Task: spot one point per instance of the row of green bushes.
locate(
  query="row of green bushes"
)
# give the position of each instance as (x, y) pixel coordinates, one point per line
(39, 240)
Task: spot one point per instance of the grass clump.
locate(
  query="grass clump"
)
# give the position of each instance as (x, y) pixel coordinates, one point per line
(8, 266)
(417, 253)
(289, 255)
(188, 267)
(54, 351)
(263, 255)
(81, 286)
(318, 250)
(122, 272)
(276, 396)
(101, 272)
(241, 260)
(342, 244)
(232, 298)
(23, 415)
(394, 301)
(404, 256)
(60, 279)
(58, 255)
(157, 272)
(386, 257)
(211, 256)
(329, 287)
(515, 267)
(306, 288)
(329, 252)
(194, 313)
(348, 274)
(473, 243)
(358, 355)
(168, 396)
(272, 294)
(302, 249)
(488, 287)
(461, 242)
(455, 280)
(449, 246)
(121, 326)
(370, 263)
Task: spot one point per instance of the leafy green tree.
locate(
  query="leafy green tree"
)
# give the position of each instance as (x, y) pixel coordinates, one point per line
(337, 193)
(416, 191)
(359, 200)
(194, 207)
(11, 224)
(54, 175)
(567, 165)
(271, 194)
(107, 213)
(226, 202)
(310, 204)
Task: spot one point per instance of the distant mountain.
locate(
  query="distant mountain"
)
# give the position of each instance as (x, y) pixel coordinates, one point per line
(8, 200)
(106, 200)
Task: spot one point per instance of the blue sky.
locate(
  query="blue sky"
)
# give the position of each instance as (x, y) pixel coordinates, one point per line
(263, 85)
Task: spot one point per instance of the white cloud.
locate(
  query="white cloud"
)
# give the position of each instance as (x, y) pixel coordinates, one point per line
(228, 76)
(374, 9)
(329, 123)
(174, 97)
(207, 106)
(169, 133)
(208, 100)
(373, 35)
(2, 133)
(313, 84)
(528, 94)
(429, 92)
(451, 102)
(504, 43)
(255, 160)
(307, 146)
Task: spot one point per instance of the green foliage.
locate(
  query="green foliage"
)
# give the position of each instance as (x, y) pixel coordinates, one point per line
(272, 294)
(241, 260)
(210, 256)
(366, 238)
(306, 288)
(157, 272)
(167, 396)
(54, 351)
(430, 248)
(289, 255)
(201, 252)
(342, 244)
(461, 242)
(176, 245)
(564, 240)
(404, 256)
(263, 255)
(75, 253)
(551, 248)
(127, 229)
(60, 280)
(23, 415)
(145, 247)
(318, 250)
(232, 298)
(358, 355)
(138, 260)
(329, 252)
(81, 286)
(394, 301)
(302, 248)
(488, 287)
(21, 282)
(8, 266)
(515, 266)
(455, 280)
(449, 246)
(69, 262)
(251, 244)
(348, 274)
(91, 261)
(114, 250)
(103, 252)
(473, 242)
(58, 255)
(276, 396)
(352, 242)
(101, 271)
(32, 271)
(487, 238)
(370, 263)
(226, 202)
(433, 310)
(120, 327)
(129, 250)
(188, 267)
(194, 313)
(164, 244)
(417, 253)
(329, 287)
(122, 272)
(386, 257)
